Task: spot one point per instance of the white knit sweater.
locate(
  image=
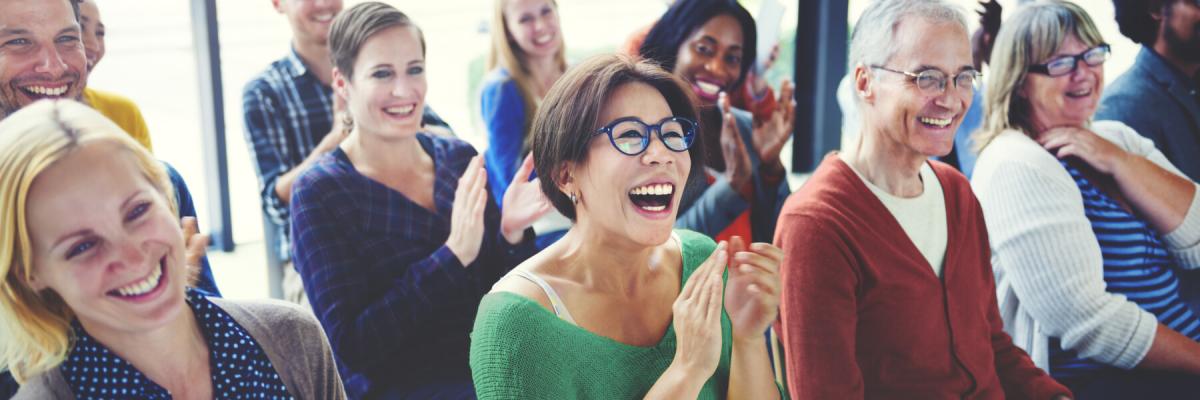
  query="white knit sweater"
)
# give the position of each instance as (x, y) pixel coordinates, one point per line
(1047, 261)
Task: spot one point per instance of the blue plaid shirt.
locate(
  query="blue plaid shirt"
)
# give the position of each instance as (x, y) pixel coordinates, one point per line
(394, 301)
(287, 111)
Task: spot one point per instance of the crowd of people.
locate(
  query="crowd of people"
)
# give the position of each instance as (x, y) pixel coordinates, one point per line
(630, 231)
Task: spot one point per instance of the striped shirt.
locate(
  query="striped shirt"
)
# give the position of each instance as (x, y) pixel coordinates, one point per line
(287, 111)
(1136, 265)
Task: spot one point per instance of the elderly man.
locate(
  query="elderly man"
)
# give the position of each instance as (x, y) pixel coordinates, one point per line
(888, 290)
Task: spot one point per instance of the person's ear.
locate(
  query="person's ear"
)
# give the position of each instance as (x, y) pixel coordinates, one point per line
(864, 84)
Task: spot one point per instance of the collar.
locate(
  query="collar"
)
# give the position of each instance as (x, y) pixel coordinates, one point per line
(1162, 71)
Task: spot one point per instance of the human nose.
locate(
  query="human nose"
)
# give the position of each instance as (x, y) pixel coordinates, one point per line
(51, 62)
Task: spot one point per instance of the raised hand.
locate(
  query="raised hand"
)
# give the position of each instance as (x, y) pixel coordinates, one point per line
(737, 163)
(752, 293)
(1104, 156)
(466, 216)
(697, 317)
(341, 127)
(770, 135)
(194, 244)
(523, 203)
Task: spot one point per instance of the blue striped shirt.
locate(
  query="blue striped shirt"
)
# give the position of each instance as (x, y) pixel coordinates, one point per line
(1136, 265)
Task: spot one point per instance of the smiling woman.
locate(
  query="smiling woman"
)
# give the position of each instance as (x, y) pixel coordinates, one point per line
(93, 260)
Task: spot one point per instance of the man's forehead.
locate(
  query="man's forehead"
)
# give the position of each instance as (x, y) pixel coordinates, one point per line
(36, 15)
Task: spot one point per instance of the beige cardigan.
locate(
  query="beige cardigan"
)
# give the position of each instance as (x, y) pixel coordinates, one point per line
(291, 337)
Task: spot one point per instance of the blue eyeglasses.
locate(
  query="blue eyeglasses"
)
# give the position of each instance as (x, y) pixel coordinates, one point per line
(631, 136)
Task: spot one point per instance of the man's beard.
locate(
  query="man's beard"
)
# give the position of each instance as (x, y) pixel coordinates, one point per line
(12, 100)
(1184, 49)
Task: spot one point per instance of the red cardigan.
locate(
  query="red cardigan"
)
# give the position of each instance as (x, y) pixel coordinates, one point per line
(864, 316)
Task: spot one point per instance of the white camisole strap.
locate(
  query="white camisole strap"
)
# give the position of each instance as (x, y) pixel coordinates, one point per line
(556, 302)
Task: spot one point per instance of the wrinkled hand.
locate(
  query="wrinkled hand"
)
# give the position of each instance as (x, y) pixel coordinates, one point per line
(466, 216)
(772, 134)
(195, 245)
(697, 316)
(1102, 155)
(752, 293)
(737, 162)
(523, 202)
(340, 127)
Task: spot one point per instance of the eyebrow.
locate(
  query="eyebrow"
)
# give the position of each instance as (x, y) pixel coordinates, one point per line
(86, 231)
(926, 67)
(13, 31)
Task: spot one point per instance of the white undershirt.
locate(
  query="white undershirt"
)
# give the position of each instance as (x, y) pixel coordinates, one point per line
(923, 217)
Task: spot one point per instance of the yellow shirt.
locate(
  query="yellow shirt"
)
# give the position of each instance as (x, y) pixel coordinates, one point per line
(122, 111)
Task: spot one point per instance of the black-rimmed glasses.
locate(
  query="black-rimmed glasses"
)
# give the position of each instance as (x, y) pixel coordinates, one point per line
(934, 82)
(631, 136)
(1067, 64)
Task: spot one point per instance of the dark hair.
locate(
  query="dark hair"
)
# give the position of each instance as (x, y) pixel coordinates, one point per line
(1133, 17)
(570, 113)
(685, 17)
(353, 27)
(75, 8)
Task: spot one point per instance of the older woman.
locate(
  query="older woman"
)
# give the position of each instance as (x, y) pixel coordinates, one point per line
(397, 237)
(624, 306)
(1088, 221)
(887, 289)
(710, 45)
(94, 298)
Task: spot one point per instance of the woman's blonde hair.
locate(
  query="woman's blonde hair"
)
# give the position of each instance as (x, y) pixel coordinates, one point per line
(506, 53)
(1032, 35)
(36, 325)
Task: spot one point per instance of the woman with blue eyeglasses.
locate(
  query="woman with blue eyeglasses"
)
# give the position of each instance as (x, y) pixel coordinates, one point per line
(1090, 225)
(625, 306)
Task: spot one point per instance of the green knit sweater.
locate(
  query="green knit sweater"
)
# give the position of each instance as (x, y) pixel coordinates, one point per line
(521, 350)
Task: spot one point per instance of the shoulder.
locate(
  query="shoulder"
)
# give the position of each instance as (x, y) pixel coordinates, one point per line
(455, 152)
(832, 187)
(505, 319)
(327, 176)
(1121, 134)
(272, 320)
(1013, 149)
(47, 385)
(109, 99)
(269, 79)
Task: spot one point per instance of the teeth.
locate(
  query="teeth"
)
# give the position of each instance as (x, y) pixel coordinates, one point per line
(708, 88)
(401, 110)
(324, 17)
(661, 189)
(1080, 93)
(942, 122)
(654, 208)
(543, 39)
(45, 91)
(140, 288)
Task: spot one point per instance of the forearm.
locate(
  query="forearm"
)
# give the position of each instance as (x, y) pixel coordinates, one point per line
(750, 374)
(1172, 351)
(283, 184)
(1158, 195)
(676, 383)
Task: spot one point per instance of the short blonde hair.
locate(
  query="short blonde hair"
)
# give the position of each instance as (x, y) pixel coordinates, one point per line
(1031, 35)
(36, 325)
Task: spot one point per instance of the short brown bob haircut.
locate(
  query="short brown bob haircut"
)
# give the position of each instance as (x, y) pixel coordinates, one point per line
(569, 116)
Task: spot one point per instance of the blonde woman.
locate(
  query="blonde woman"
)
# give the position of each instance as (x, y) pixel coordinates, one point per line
(1089, 223)
(526, 58)
(93, 259)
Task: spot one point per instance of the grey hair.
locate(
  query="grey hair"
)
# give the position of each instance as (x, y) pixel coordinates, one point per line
(872, 42)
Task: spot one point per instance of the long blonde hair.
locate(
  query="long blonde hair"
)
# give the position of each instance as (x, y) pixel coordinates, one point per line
(506, 53)
(1031, 35)
(36, 325)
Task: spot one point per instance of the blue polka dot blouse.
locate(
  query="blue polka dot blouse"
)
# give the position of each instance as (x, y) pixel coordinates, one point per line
(240, 368)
